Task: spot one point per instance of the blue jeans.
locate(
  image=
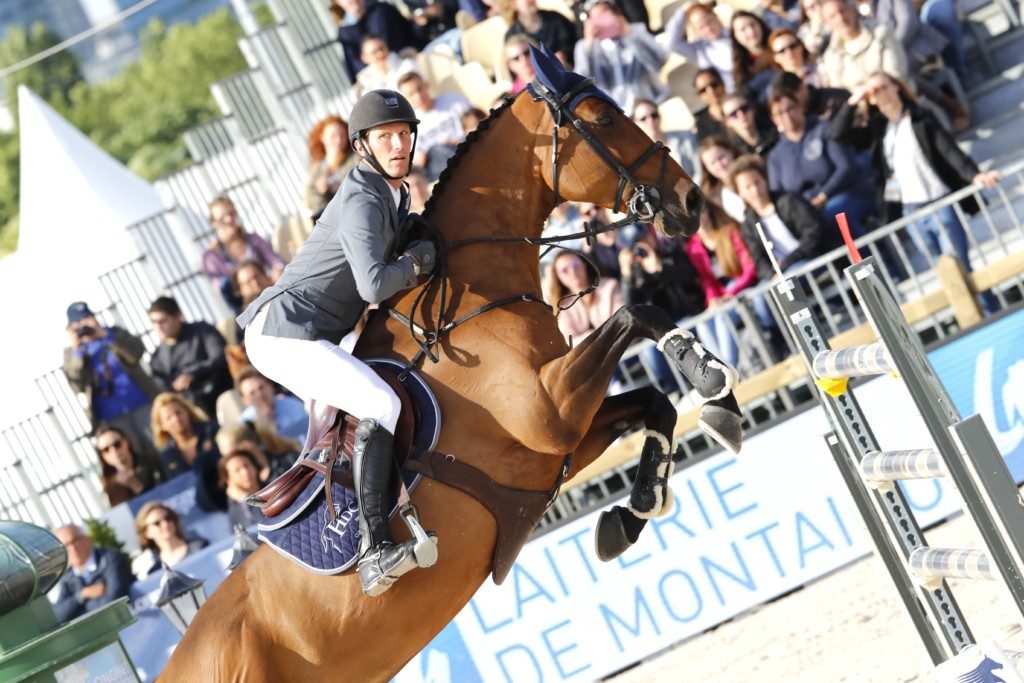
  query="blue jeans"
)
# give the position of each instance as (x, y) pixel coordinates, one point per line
(857, 206)
(941, 14)
(718, 335)
(940, 232)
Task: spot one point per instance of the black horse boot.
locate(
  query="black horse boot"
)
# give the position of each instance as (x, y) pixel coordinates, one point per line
(712, 378)
(381, 561)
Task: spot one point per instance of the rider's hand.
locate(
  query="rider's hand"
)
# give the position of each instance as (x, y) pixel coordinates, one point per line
(424, 253)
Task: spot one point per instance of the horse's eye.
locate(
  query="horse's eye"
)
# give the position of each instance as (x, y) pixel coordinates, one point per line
(604, 120)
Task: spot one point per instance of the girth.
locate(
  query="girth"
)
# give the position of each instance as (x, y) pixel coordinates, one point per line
(516, 511)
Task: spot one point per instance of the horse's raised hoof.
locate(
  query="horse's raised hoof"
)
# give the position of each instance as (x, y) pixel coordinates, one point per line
(721, 420)
(617, 529)
(712, 378)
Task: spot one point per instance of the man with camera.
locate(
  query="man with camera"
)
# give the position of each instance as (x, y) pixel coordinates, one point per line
(104, 364)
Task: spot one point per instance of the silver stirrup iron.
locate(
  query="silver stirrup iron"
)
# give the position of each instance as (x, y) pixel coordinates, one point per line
(425, 546)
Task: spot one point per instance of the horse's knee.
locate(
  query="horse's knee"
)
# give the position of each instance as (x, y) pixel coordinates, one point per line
(659, 412)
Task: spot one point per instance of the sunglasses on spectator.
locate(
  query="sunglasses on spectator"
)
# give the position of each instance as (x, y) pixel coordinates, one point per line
(76, 539)
(518, 56)
(158, 522)
(742, 109)
(653, 116)
(707, 87)
(113, 445)
(787, 47)
(567, 268)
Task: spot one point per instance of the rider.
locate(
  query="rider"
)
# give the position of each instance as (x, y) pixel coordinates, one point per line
(353, 257)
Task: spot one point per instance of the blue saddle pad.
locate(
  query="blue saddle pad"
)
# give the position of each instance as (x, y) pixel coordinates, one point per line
(303, 532)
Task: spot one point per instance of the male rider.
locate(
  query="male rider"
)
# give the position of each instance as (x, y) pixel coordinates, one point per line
(349, 261)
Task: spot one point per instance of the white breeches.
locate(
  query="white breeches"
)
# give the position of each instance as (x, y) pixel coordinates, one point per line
(323, 372)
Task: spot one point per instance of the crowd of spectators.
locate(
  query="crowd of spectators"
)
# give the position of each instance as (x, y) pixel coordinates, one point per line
(803, 110)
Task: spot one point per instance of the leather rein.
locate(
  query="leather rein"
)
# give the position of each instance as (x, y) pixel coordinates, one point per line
(643, 205)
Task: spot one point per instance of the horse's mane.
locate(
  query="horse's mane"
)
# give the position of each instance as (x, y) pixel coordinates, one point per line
(460, 151)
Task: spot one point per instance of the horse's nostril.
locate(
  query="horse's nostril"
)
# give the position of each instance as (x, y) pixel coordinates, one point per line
(693, 203)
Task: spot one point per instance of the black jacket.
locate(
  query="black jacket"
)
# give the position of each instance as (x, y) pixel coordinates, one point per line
(675, 289)
(951, 164)
(199, 350)
(802, 219)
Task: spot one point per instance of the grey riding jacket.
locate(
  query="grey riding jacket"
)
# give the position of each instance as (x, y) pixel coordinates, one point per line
(348, 262)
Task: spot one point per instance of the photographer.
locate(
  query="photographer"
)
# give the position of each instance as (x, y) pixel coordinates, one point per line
(104, 364)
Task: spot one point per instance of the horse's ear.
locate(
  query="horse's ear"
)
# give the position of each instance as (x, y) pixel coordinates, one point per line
(549, 70)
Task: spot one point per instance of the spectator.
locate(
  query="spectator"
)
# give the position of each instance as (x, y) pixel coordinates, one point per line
(915, 162)
(433, 22)
(858, 49)
(237, 474)
(750, 133)
(518, 62)
(232, 244)
(681, 144)
(569, 275)
(382, 67)
(284, 414)
(819, 102)
(715, 155)
(357, 18)
(659, 272)
(624, 59)
(94, 577)
(806, 161)
(419, 189)
(813, 32)
(711, 91)
(541, 26)
(711, 44)
(794, 227)
(775, 15)
(440, 128)
(564, 219)
(186, 435)
(605, 249)
(789, 54)
(725, 268)
(190, 358)
(751, 58)
(943, 15)
(249, 279)
(123, 473)
(162, 539)
(104, 363)
(331, 159)
(470, 119)
(274, 453)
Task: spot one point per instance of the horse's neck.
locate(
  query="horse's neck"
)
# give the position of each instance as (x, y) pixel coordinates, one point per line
(495, 191)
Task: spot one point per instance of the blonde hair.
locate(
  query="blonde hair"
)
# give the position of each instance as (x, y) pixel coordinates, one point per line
(266, 438)
(552, 287)
(160, 435)
(721, 236)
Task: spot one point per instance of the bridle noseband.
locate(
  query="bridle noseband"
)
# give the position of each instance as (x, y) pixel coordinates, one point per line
(643, 205)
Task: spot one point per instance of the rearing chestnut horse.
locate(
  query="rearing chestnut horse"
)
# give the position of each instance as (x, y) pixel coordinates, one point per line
(515, 399)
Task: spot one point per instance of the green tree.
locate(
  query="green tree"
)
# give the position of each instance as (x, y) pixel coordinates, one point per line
(139, 116)
(51, 78)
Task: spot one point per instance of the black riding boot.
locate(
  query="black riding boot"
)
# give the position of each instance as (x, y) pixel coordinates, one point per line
(381, 562)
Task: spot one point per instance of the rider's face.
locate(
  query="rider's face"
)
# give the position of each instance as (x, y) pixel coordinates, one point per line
(390, 144)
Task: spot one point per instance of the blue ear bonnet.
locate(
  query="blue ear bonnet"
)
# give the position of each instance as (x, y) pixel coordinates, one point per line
(553, 76)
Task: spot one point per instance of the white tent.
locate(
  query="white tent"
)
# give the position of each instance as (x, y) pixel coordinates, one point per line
(76, 203)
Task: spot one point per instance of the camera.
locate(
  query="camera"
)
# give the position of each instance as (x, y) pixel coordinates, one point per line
(640, 250)
(86, 331)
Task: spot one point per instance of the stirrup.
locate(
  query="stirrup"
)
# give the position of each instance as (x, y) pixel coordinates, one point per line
(424, 543)
(385, 563)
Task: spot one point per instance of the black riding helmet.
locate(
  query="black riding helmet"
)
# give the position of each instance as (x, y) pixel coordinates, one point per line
(376, 108)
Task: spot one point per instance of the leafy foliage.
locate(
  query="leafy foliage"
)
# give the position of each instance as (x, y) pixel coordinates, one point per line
(102, 535)
(139, 115)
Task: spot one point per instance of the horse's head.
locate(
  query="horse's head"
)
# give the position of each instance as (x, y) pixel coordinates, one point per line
(603, 157)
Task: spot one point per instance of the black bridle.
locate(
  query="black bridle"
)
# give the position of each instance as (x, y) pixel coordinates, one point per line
(643, 205)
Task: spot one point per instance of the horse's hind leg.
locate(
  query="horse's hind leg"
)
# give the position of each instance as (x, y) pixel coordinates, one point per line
(620, 527)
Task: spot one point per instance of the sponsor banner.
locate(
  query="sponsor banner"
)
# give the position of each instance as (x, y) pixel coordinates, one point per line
(744, 529)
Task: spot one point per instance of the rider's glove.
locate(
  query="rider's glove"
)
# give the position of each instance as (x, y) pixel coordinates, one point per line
(423, 255)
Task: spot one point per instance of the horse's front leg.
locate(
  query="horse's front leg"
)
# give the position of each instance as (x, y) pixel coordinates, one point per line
(578, 380)
(651, 496)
